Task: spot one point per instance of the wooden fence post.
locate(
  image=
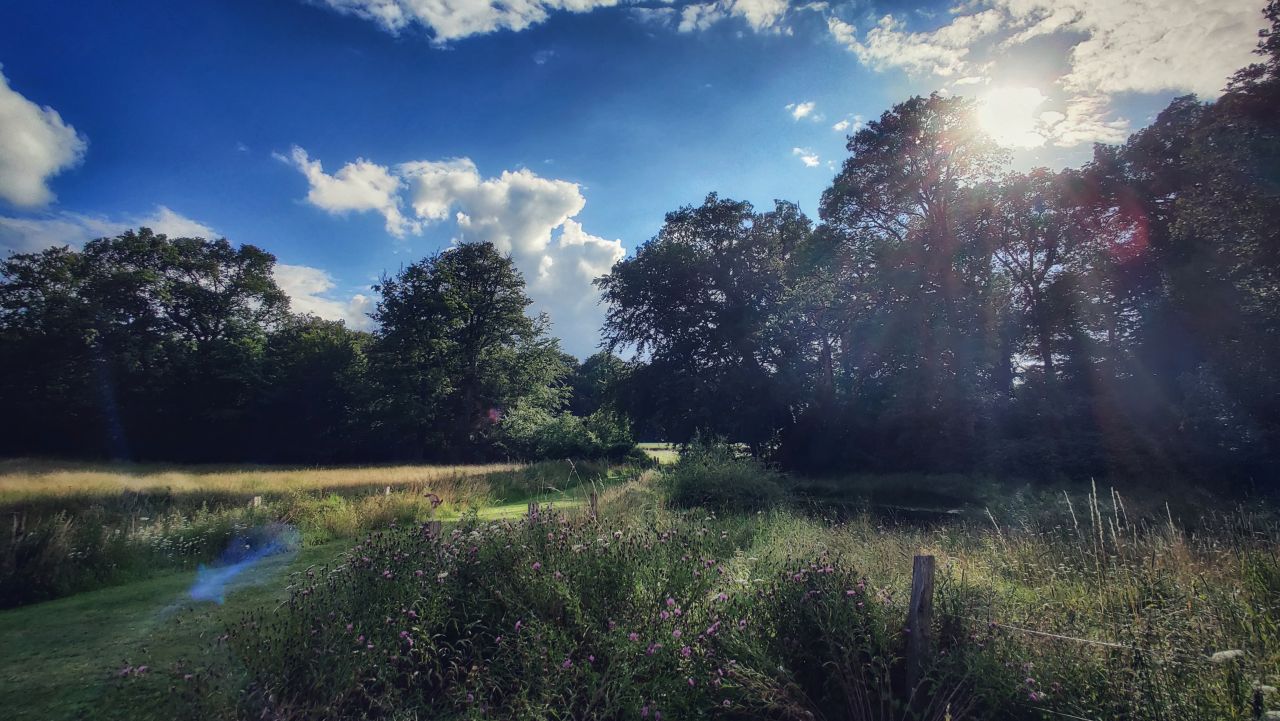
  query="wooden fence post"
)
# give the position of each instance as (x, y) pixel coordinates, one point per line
(919, 621)
(593, 500)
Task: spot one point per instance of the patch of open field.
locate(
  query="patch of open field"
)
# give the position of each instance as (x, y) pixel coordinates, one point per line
(22, 479)
(76, 527)
(663, 453)
(1080, 602)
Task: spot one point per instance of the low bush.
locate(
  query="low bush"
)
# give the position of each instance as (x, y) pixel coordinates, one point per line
(536, 434)
(717, 476)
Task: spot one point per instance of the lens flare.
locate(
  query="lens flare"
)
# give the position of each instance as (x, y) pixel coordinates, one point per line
(243, 556)
(1010, 117)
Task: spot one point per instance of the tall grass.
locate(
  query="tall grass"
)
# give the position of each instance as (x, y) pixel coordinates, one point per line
(71, 528)
(1078, 607)
(27, 479)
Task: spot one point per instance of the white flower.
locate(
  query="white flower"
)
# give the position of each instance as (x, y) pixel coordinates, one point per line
(1224, 656)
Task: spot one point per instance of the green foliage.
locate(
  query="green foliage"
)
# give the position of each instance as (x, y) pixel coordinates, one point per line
(948, 317)
(719, 477)
(144, 346)
(536, 433)
(455, 350)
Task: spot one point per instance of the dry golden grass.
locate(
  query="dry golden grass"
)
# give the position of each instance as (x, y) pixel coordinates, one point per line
(24, 479)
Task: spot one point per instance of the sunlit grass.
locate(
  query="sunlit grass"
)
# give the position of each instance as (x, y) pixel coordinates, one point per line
(25, 478)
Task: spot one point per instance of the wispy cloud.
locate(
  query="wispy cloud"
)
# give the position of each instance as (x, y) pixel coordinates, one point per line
(807, 156)
(1108, 48)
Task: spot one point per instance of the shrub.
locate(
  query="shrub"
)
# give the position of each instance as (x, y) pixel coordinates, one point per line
(536, 434)
(716, 476)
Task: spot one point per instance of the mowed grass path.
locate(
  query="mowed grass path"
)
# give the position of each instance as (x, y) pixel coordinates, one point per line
(62, 659)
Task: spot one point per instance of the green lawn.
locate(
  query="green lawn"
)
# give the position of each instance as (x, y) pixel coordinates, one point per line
(61, 659)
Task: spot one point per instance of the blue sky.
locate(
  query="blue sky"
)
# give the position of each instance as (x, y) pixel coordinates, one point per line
(346, 136)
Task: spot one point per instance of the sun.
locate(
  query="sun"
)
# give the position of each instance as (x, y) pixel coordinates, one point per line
(1010, 117)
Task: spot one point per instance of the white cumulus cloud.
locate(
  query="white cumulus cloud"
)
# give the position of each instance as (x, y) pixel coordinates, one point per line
(522, 213)
(759, 15)
(357, 186)
(943, 52)
(455, 19)
(800, 110)
(310, 290)
(30, 234)
(851, 124)
(35, 145)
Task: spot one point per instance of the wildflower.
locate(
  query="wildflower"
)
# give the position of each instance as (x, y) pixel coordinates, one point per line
(568, 663)
(691, 682)
(471, 698)
(675, 633)
(664, 615)
(722, 597)
(670, 602)
(686, 651)
(1224, 656)
(537, 566)
(349, 627)
(633, 636)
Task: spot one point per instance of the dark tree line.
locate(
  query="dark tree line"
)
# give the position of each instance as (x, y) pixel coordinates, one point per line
(146, 347)
(945, 314)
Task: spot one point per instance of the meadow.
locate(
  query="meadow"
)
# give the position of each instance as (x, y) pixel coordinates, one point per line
(73, 527)
(1072, 602)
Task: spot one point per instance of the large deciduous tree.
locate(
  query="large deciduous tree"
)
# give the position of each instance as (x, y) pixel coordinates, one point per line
(695, 301)
(456, 349)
